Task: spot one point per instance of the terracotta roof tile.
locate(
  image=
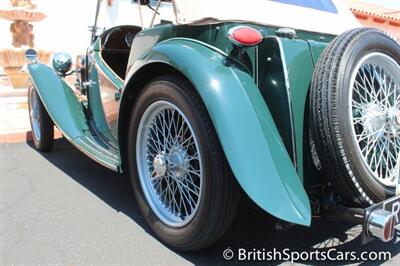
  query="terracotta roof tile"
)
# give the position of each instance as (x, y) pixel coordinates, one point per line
(374, 10)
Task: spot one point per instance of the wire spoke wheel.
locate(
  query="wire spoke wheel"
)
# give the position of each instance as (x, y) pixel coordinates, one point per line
(169, 163)
(35, 114)
(375, 115)
(41, 124)
(181, 179)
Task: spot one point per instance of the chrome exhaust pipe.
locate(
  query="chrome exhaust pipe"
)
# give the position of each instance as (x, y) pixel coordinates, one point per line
(381, 224)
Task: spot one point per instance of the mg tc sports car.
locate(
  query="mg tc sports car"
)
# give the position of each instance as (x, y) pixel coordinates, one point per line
(291, 102)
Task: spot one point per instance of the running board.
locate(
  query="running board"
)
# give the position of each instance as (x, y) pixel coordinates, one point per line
(99, 149)
(68, 114)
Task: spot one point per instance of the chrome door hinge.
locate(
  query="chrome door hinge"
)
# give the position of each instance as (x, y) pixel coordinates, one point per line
(117, 96)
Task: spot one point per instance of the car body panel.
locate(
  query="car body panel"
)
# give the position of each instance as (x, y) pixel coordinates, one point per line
(67, 113)
(300, 68)
(247, 134)
(256, 95)
(59, 100)
(273, 84)
(94, 95)
(105, 85)
(276, 79)
(263, 140)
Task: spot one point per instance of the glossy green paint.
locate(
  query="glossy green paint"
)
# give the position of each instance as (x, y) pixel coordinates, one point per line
(59, 100)
(94, 99)
(274, 88)
(269, 76)
(249, 112)
(299, 68)
(316, 49)
(67, 114)
(245, 127)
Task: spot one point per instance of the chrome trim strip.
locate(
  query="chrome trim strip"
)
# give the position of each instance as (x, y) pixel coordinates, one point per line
(256, 66)
(76, 142)
(103, 150)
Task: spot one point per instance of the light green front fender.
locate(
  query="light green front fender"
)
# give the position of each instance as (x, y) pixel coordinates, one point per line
(59, 100)
(67, 113)
(246, 130)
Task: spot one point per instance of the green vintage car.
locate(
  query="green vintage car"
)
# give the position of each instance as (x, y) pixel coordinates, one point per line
(223, 98)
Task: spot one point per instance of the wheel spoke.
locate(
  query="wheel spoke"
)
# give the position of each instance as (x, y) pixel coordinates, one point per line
(173, 184)
(374, 98)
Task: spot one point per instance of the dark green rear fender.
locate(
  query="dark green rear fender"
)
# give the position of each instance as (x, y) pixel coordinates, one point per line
(246, 130)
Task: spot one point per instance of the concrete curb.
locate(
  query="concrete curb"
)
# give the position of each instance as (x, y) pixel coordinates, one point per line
(22, 136)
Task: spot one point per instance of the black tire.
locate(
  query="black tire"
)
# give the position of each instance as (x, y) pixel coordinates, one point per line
(219, 200)
(332, 130)
(43, 135)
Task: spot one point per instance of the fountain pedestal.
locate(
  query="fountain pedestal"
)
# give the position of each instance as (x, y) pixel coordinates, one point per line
(21, 12)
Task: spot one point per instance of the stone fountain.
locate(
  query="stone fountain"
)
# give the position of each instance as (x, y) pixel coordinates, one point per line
(21, 13)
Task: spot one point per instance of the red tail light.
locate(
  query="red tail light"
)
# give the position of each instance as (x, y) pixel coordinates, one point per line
(244, 36)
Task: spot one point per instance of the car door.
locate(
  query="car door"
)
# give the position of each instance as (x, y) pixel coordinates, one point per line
(109, 54)
(105, 83)
(107, 62)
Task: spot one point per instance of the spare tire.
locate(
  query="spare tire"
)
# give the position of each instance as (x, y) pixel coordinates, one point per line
(355, 114)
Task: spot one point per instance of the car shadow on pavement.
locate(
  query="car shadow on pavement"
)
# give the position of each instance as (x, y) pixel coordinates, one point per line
(252, 230)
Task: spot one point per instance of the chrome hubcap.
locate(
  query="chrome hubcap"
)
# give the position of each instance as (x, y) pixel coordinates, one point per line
(374, 119)
(375, 108)
(169, 163)
(160, 165)
(178, 163)
(35, 114)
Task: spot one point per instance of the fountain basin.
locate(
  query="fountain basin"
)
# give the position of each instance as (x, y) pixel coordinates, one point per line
(22, 15)
(12, 59)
